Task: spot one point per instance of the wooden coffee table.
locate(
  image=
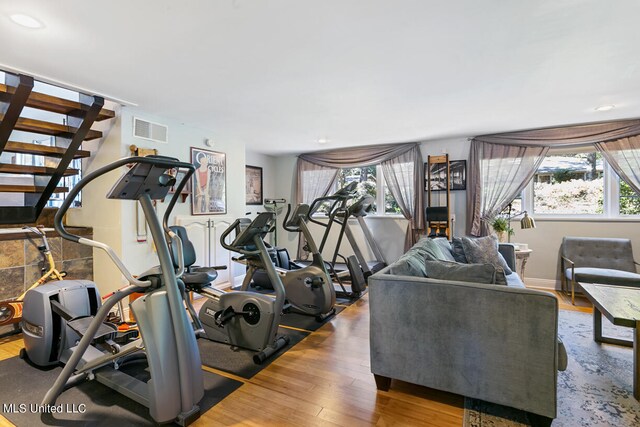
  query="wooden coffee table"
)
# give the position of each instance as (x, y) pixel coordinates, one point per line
(621, 305)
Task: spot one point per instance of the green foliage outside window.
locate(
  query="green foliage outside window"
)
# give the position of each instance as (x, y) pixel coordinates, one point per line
(629, 200)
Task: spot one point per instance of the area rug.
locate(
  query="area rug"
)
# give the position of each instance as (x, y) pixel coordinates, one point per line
(595, 390)
(22, 387)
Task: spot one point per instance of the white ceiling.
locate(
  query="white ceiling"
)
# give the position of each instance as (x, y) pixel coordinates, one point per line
(279, 74)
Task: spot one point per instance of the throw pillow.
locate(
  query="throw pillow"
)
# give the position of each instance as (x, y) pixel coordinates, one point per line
(484, 249)
(429, 248)
(477, 273)
(445, 248)
(457, 250)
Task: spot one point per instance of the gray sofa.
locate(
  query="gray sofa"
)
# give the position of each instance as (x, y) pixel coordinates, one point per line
(597, 260)
(491, 342)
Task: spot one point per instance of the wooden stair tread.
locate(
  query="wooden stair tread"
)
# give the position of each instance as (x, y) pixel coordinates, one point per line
(53, 129)
(33, 170)
(28, 189)
(54, 104)
(42, 150)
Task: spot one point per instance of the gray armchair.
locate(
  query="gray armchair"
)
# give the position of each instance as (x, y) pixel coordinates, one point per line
(597, 260)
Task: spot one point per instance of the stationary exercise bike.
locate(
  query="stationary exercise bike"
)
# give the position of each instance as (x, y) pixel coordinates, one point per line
(244, 319)
(63, 321)
(309, 289)
(11, 311)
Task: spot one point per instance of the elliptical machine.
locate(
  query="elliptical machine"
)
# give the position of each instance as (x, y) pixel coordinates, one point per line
(243, 319)
(64, 321)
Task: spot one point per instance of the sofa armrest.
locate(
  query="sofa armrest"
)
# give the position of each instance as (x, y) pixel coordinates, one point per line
(489, 342)
(508, 251)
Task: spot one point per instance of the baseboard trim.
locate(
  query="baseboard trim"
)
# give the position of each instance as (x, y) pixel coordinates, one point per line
(534, 282)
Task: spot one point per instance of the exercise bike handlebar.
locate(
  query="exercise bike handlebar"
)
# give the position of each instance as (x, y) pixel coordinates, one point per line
(227, 246)
(39, 230)
(165, 162)
(260, 226)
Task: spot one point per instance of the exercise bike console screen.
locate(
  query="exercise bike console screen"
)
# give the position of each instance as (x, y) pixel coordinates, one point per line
(144, 178)
(261, 225)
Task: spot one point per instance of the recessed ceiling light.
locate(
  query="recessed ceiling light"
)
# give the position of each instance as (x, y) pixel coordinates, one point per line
(322, 140)
(605, 107)
(26, 21)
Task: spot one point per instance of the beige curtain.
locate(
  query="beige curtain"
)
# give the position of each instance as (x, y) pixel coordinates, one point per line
(312, 181)
(497, 174)
(405, 177)
(624, 157)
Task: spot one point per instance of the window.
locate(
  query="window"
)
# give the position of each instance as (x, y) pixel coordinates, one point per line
(370, 182)
(569, 184)
(629, 201)
(578, 184)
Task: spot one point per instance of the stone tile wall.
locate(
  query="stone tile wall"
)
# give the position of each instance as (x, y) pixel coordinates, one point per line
(21, 263)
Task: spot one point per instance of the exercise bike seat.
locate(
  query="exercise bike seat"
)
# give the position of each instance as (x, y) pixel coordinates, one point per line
(199, 276)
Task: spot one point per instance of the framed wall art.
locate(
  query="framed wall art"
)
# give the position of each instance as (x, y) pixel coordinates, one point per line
(438, 172)
(253, 179)
(208, 184)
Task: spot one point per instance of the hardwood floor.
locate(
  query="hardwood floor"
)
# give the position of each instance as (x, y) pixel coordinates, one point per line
(325, 381)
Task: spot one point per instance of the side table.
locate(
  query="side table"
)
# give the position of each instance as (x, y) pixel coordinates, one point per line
(522, 255)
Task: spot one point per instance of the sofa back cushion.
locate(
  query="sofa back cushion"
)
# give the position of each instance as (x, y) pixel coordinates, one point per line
(447, 270)
(599, 252)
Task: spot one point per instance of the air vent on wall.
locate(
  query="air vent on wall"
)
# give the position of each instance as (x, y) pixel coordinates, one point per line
(151, 131)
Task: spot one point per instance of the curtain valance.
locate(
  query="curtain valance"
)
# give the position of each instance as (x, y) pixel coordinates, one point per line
(584, 134)
(358, 156)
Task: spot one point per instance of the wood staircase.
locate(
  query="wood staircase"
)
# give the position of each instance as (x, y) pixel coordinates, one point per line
(16, 94)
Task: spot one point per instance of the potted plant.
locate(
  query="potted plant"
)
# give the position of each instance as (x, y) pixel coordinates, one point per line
(501, 226)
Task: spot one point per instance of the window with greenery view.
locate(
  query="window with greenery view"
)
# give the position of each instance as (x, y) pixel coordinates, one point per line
(569, 184)
(370, 182)
(577, 184)
(629, 201)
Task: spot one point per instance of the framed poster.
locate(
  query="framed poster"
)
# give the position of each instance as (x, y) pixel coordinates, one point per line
(208, 184)
(438, 173)
(253, 186)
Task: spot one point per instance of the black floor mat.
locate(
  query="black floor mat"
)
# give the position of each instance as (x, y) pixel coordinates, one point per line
(23, 386)
(339, 299)
(308, 323)
(239, 361)
(345, 300)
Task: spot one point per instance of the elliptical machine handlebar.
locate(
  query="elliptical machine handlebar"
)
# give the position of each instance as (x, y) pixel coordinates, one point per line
(160, 161)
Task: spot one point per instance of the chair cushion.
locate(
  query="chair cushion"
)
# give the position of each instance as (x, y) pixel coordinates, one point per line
(606, 276)
(484, 249)
(477, 273)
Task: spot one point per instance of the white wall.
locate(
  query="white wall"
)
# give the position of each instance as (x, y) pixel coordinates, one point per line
(98, 212)
(114, 220)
